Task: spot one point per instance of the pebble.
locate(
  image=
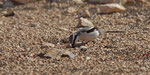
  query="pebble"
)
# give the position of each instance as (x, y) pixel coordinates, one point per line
(93, 16)
(64, 29)
(78, 1)
(7, 4)
(88, 58)
(1, 3)
(68, 53)
(48, 45)
(85, 13)
(101, 1)
(8, 14)
(143, 68)
(57, 54)
(83, 48)
(71, 10)
(1, 22)
(54, 54)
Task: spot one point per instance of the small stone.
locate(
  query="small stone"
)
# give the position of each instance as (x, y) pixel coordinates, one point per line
(66, 1)
(31, 54)
(2, 64)
(84, 23)
(1, 3)
(83, 48)
(144, 68)
(131, 2)
(122, 2)
(33, 25)
(40, 62)
(30, 59)
(108, 1)
(54, 4)
(7, 4)
(47, 45)
(54, 54)
(71, 10)
(64, 29)
(85, 13)
(94, 10)
(93, 16)
(78, 1)
(88, 58)
(8, 14)
(68, 53)
(142, 1)
(57, 54)
(61, 1)
(1, 22)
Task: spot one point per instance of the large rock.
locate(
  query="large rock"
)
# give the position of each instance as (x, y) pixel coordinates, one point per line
(24, 1)
(108, 1)
(64, 1)
(101, 1)
(111, 8)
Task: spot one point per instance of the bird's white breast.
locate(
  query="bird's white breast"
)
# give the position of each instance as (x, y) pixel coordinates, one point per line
(89, 36)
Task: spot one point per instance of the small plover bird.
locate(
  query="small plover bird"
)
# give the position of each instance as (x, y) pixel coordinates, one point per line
(86, 34)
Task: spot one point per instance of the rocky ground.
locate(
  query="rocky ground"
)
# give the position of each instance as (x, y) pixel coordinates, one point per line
(124, 52)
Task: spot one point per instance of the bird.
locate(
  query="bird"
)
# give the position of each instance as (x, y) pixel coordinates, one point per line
(85, 34)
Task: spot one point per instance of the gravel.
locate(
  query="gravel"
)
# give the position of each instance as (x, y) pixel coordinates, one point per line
(22, 35)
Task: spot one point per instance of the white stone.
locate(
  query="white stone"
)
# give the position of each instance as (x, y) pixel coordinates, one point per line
(88, 58)
(84, 23)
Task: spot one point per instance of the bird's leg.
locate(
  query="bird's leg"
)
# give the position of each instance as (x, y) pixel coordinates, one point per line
(73, 45)
(74, 40)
